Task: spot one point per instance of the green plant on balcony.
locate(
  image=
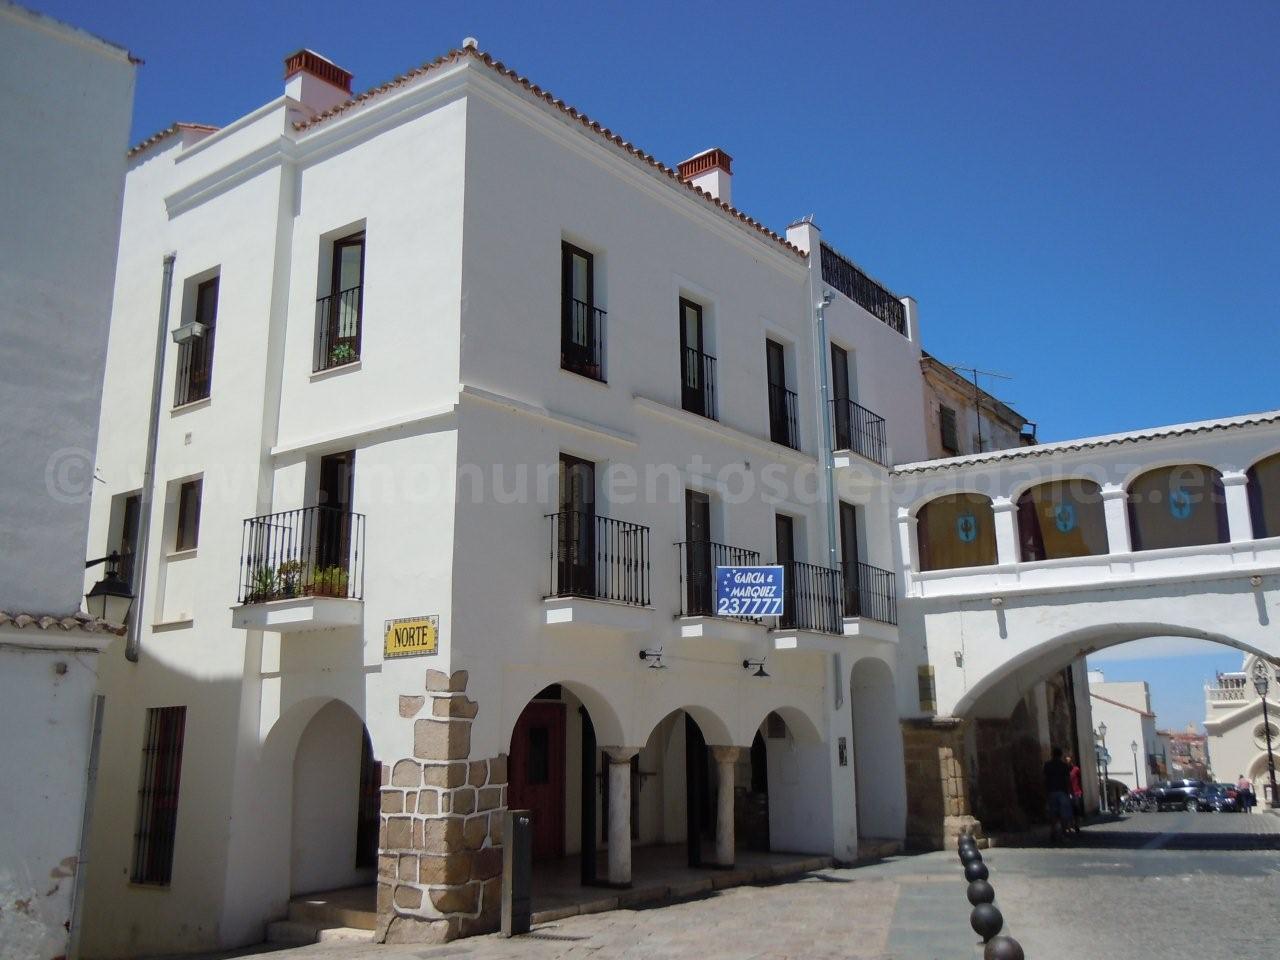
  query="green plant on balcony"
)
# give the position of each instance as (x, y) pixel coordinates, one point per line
(341, 353)
(262, 584)
(289, 578)
(330, 582)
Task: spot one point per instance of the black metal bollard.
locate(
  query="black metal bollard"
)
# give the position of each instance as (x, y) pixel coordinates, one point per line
(517, 871)
(986, 921)
(1002, 948)
(976, 870)
(970, 855)
(980, 891)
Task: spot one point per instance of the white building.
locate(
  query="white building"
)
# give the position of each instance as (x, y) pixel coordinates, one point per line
(467, 397)
(1237, 735)
(64, 124)
(454, 355)
(1131, 738)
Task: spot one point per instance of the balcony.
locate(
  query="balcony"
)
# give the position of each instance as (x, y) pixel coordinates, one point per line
(582, 340)
(1230, 690)
(301, 570)
(870, 592)
(698, 383)
(846, 277)
(599, 572)
(784, 424)
(859, 430)
(338, 328)
(698, 619)
(813, 598)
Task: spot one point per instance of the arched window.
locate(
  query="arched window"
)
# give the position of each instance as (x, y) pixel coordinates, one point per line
(1180, 506)
(1264, 497)
(1062, 518)
(956, 530)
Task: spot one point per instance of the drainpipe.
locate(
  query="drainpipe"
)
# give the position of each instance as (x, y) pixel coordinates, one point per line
(825, 444)
(133, 642)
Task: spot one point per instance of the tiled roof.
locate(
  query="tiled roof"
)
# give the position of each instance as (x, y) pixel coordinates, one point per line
(65, 622)
(167, 132)
(594, 126)
(1087, 443)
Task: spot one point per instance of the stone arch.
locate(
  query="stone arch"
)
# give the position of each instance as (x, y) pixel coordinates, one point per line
(1061, 518)
(1177, 505)
(1036, 663)
(804, 724)
(608, 725)
(956, 530)
(1264, 496)
(877, 754)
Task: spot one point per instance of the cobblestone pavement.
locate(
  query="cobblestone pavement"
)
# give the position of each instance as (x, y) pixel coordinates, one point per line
(1205, 885)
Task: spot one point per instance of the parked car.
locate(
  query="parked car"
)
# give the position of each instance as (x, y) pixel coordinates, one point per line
(1218, 798)
(1178, 794)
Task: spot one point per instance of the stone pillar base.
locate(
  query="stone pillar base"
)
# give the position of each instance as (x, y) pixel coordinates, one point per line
(938, 808)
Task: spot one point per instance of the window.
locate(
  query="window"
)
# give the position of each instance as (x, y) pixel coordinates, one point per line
(158, 795)
(956, 530)
(333, 515)
(1179, 506)
(783, 422)
(1060, 519)
(581, 323)
(339, 312)
(576, 527)
(126, 540)
(697, 367)
(842, 410)
(947, 423)
(700, 583)
(195, 354)
(188, 529)
(1264, 497)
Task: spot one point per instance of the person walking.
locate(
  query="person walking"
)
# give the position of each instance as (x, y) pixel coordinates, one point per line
(1077, 794)
(1057, 786)
(1244, 794)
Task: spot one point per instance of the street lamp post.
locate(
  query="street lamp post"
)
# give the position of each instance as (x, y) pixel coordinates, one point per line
(1133, 745)
(1262, 683)
(1105, 759)
(109, 599)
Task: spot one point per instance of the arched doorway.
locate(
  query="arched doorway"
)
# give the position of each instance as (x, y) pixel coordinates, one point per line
(336, 782)
(877, 751)
(796, 777)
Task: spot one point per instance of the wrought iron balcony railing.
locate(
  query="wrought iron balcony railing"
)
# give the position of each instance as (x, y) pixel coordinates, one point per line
(599, 557)
(582, 339)
(338, 328)
(698, 382)
(784, 423)
(846, 277)
(870, 592)
(311, 552)
(858, 429)
(697, 573)
(812, 598)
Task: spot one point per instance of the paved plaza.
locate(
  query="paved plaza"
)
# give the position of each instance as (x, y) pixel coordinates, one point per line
(1207, 884)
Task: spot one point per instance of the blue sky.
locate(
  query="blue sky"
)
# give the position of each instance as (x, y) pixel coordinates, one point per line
(1177, 670)
(1083, 196)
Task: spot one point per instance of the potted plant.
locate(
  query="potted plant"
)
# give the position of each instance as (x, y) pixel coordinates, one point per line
(289, 578)
(342, 353)
(262, 584)
(330, 582)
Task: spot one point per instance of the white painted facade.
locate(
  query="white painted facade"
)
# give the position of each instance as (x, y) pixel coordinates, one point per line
(458, 411)
(1125, 708)
(1236, 734)
(64, 120)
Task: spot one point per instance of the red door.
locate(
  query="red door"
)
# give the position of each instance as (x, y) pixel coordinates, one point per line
(537, 775)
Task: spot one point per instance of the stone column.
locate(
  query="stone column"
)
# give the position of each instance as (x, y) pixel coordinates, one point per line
(1115, 506)
(937, 783)
(1239, 519)
(620, 814)
(726, 759)
(1007, 553)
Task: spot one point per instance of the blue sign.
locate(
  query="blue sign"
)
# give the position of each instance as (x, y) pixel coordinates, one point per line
(749, 591)
(1179, 503)
(967, 527)
(1064, 517)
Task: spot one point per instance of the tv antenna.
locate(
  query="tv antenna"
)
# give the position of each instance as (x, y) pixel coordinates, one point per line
(974, 373)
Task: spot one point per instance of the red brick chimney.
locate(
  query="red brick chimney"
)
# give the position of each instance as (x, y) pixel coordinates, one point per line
(315, 81)
(712, 170)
